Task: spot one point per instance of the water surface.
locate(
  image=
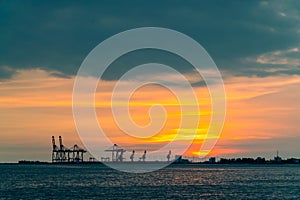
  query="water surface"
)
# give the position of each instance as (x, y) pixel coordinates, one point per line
(174, 182)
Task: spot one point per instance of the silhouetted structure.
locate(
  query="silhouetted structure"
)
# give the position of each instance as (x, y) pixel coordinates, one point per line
(132, 156)
(169, 156)
(143, 158)
(180, 160)
(77, 154)
(116, 153)
(277, 159)
(292, 161)
(63, 154)
(104, 159)
(92, 159)
(55, 151)
(260, 160)
(212, 160)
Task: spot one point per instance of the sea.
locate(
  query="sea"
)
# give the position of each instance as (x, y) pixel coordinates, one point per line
(182, 181)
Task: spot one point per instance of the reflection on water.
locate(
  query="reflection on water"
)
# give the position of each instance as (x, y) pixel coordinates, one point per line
(178, 181)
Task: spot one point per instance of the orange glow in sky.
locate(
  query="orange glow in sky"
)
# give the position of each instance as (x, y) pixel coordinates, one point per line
(36, 105)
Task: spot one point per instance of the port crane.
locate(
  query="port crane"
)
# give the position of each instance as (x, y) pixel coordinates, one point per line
(117, 153)
(63, 154)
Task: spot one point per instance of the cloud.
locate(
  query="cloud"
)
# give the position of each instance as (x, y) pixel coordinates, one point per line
(278, 62)
(281, 62)
(286, 57)
(6, 72)
(58, 35)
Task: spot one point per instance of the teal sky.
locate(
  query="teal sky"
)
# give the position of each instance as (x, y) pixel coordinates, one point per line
(58, 35)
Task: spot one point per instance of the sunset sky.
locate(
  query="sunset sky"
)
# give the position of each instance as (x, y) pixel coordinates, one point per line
(255, 44)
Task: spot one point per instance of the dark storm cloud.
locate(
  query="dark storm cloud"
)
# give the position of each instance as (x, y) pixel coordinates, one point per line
(58, 35)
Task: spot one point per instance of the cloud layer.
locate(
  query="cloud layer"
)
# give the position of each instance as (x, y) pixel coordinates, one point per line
(58, 35)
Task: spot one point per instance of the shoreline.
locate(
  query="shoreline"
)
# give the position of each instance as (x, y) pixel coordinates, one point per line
(129, 163)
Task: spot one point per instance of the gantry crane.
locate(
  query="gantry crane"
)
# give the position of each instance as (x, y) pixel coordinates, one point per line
(116, 153)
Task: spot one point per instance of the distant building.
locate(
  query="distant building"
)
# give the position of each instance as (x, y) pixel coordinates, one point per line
(260, 160)
(212, 160)
(293, 161)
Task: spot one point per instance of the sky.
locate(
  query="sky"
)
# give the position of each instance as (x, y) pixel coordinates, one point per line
(255, 44)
